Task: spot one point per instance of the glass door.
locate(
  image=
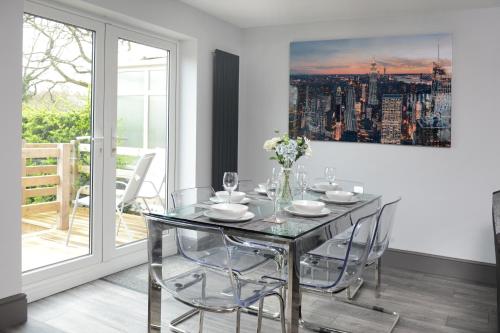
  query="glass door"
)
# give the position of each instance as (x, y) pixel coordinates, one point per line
(62, 130)
(139, 114)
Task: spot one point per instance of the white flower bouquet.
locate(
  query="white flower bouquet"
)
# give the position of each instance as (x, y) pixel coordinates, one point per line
(287, 150)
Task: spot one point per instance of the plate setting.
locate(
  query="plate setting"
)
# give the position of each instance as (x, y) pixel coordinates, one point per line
(322, 188)
(260, 191)
(244, 201)
(351, 201)
(217, 217)
(292, 210)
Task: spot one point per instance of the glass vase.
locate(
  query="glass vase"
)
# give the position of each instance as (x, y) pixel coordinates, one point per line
(285, 187)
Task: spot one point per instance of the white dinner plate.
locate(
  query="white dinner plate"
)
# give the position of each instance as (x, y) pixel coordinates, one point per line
(351, 201)
(316, 189)
(214, 216)
(218, 200)
(258, 190)
(293, 211)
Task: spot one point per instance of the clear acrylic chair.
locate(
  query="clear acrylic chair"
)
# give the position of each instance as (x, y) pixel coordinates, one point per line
(217, 288)
(328, 275)
(243, 253)
(336, 247)
(332, 275)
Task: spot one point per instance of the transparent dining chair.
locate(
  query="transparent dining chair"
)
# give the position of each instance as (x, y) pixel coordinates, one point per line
(319, 273)
(243, 253)
(328, 275)
(336, 247)
(213, 288)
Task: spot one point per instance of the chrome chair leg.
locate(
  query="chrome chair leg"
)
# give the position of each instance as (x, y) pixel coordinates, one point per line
(351, 291)
(322, 329)
(200, 324)
(281, 313)
(238, 320)
(378, 274)
(259, 315)
(182, 318)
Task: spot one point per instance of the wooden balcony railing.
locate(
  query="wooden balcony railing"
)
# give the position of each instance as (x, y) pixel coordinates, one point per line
(49, 180)
(59, 179)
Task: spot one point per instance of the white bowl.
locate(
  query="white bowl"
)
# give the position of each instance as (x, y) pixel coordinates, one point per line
(235, 196)
(232, 211)
(340, 195)
(308, 206)
(327, 186)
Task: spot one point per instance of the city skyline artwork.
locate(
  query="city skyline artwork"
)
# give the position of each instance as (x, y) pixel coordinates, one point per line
(390, 90)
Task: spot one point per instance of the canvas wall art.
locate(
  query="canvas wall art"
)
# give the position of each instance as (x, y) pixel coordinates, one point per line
(391, 90)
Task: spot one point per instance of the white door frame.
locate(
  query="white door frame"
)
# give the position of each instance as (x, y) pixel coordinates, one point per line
(113, 33)
(95, 227)
(103, 259)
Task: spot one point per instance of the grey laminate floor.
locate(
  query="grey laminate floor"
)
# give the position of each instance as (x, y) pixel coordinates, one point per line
(427, 303)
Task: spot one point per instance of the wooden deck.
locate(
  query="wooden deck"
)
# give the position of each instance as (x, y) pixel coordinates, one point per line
(44, 244)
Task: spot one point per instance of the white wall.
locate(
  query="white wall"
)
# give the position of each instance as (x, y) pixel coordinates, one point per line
(10, 135)
(435, 216)
(200, 35)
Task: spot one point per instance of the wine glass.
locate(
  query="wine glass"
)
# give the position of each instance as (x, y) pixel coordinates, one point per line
(230, 182)
(301, 168)
(272, 193)
(330, 174)
(302, 182)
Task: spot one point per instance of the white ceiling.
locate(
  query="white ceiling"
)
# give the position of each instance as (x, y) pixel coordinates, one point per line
(256, 13)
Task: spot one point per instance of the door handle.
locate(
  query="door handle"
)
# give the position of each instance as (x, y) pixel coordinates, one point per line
(113, 142)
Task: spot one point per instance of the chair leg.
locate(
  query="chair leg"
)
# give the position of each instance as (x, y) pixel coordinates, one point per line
(182, 318)
(259, 315)
(119, 210)
(282, 313)
(238, 320)
(378, 276)
(202, 315)
(145, 204)
(75, 206)
(352, 291)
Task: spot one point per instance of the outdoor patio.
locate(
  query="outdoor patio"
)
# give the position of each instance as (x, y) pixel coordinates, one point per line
(51, 175)
(44, 244)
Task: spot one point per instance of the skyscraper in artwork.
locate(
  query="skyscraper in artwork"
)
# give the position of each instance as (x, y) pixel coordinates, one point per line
(350, 113)
(392, 106)
(372, 88)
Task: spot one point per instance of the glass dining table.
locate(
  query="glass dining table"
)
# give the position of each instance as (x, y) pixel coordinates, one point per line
(298, 235)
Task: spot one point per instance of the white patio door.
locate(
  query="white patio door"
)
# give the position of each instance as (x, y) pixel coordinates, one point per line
(139, 129)
(63, 142)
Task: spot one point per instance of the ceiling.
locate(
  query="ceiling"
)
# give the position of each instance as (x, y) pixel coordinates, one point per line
(256, 13)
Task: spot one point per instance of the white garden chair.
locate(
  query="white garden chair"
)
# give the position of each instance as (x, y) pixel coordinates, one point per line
(124, 198)
(154, 182)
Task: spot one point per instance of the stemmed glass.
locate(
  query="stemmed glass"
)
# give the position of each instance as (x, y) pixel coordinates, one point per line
(230, 182)
(301, 168)
(302, 182)
(330, 174)
(272, 189)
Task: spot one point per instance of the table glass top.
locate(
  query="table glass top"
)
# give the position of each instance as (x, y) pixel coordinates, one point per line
(293, 227)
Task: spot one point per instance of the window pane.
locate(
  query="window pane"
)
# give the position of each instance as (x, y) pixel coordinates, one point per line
(130, 121)
(141, 119)
(158, 80)
(157, 121)
(56, 114)
(130, 83)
